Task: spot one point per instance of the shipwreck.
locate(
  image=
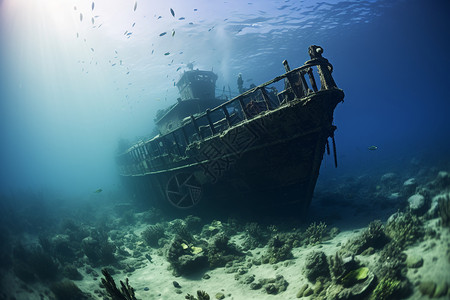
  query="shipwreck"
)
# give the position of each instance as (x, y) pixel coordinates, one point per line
(261, 149)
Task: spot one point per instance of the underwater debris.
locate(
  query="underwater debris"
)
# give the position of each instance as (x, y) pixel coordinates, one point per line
(126, 292)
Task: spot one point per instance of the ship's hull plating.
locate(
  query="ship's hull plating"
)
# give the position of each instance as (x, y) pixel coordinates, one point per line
(272, 160)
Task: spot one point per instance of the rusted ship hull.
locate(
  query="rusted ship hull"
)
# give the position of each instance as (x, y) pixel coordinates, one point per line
(268, 158)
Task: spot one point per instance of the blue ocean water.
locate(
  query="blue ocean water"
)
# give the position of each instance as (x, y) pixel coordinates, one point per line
(78, 76)
(70, 88)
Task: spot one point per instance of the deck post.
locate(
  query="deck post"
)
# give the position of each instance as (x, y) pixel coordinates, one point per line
(291, 84)
(186, 139)
(211, 124)
(176, 143)
(241, 103)
(266, 98)
(227, 115)
(197, 129)
(312, 80)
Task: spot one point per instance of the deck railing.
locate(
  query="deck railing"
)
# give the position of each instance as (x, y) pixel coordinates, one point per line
(163, 151)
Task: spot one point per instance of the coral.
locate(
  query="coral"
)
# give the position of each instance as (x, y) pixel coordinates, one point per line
(33, 261)
(387, 288)
(98, 249)
(255, 236)
(279, 249)
(220, 251)
(152, 234)
(201, 295)
(316, 265)
(275, 285)
(336, 266)
(184, 259)
(72, 273)
(404, 228)
(67, 290)
(444, 210)
(126, 292)
(314, 233)
(373, 236)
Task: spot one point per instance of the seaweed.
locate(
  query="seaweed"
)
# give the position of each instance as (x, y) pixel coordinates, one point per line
(126, 292)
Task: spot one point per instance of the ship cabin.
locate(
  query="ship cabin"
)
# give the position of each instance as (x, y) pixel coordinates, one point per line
(197, 91)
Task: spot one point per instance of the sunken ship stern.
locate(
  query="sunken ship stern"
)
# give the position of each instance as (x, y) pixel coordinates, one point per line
(262, 149)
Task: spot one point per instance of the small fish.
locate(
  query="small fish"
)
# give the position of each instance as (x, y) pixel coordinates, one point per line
(147, 256)
(129, 33)
(159, 17)
(135, 5)
(167, 53)
(78, 35)
(98, 191)
(178, 69)
(113, 65)
(81, 17)
(173, 32)
(172, 12)
(93, 4)
(115, 51)
(153, 51)
(92, 49)
(133, 24)
(125, 33)
(74, 8)
(182, 18)
(164, 33)
(195, 9)
(92, 20)
(372, 148)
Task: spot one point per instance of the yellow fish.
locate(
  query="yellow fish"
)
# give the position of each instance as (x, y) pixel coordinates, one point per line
(372, 148)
